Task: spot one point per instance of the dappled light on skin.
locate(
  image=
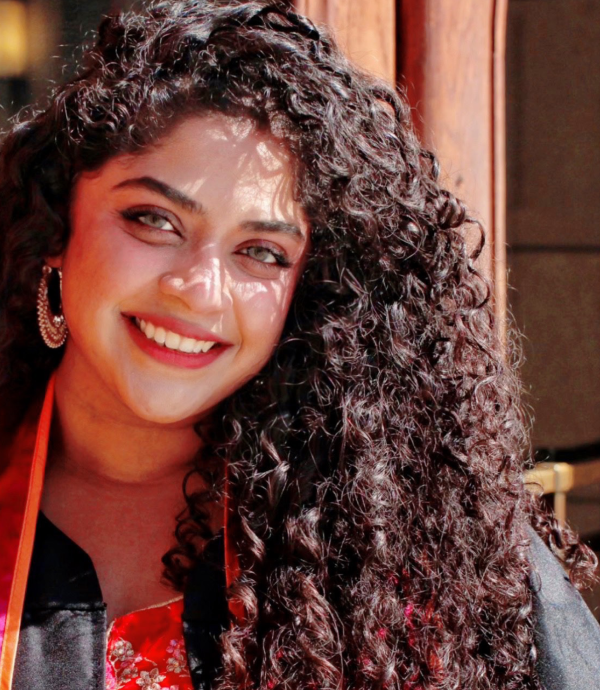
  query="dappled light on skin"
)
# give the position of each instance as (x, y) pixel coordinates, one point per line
(203, 283)
(203, 229)
(266, 168)
(251, 295)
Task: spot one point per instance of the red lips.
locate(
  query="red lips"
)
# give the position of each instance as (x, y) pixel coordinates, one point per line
(175, 357)
(170, 323)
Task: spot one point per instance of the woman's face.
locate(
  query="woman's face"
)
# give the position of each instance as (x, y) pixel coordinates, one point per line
(180, 268)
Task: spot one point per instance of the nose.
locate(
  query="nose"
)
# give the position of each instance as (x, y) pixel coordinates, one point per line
(200, 282)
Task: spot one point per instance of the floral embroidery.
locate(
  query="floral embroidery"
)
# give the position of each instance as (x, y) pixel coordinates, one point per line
(177, 663)
(122, 651)
(123, 661)
(150, 680)
(146, 651)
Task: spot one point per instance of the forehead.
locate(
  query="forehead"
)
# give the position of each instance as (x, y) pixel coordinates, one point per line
(216, 157)
(237, 140)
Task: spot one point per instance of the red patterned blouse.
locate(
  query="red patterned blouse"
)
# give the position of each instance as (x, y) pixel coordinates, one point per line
(146, 650)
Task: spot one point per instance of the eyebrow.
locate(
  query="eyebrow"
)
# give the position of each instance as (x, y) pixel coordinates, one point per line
(190, 204)
(165, 190)
(274, 226)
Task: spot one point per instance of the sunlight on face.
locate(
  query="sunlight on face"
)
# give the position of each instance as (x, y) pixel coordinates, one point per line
(194, 242)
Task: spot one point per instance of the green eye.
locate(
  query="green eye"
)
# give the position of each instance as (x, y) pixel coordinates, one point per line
(155, 221)
(262, 254)
(150, 219)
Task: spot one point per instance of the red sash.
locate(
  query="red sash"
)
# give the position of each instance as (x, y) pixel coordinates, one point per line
(20, 493)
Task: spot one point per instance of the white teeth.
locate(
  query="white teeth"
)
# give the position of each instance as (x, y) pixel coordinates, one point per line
(172, 340)
(187, 344)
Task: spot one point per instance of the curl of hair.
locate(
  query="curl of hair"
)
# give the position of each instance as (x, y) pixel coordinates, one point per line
(376, 461)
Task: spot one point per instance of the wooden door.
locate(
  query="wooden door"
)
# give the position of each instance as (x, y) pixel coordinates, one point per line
(449, 56)
(365, 29)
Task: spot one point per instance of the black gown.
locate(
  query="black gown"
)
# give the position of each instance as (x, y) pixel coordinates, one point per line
(62, 645)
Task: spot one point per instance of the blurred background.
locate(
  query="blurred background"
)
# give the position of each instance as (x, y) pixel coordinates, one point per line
(553, 234)
(39, 44)
(508, 94)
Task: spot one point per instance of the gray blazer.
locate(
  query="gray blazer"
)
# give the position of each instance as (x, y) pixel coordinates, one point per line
(567, 634)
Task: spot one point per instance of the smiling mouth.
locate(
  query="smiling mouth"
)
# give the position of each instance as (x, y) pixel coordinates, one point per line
(171, 340)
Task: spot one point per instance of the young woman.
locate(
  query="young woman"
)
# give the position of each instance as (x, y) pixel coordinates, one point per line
(227, 265)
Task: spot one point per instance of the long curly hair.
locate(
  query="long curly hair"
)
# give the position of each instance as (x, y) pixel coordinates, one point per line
(375, 463)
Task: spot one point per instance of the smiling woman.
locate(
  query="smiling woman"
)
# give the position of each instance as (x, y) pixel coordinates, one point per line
(257, 430)
(201, 240)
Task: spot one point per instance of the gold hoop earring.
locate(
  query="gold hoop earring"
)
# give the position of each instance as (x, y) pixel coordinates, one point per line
(53, 327)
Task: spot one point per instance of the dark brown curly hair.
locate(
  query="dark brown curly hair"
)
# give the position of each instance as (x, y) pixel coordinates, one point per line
(375, 464)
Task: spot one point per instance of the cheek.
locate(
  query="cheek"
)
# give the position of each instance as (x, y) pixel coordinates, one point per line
(262, 308)
(103, 265)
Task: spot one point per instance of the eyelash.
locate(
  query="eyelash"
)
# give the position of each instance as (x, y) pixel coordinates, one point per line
(136, 215)
(281, 260)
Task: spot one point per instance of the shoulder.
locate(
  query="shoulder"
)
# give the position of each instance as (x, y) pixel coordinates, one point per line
(567, 634)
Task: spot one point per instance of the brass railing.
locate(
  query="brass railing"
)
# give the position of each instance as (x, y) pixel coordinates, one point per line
(559, 478)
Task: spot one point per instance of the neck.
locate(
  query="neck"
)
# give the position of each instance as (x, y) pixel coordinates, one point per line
(93, 439)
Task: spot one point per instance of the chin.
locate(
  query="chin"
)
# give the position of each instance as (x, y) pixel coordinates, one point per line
(155, 405)
(169, 414)
(162, 417)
